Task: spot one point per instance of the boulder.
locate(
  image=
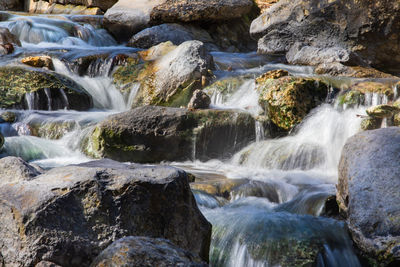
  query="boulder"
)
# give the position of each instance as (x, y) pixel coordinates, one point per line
(70, 214)
(146, 252)
(287, 100)
(75, 7)
(30, 88)
(368, 193)
(338, 69)
(47, 264)
(154, 134)
(199, 100)
(102, 4)
(14, 170)
(167, 74)
(173, 32)
(313, 32)
(128, 17)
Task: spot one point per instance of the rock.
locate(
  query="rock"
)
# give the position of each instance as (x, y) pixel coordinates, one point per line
(102, 4)
(265, 4)
(8, 116)
(70, 214)
(14, 170)
(7, 41)
(313, 32)
(15, 5)
(47, 264)
(29, 88)
(39, 62)
(370, 123)
(171, 79)
(54, 129)
(154, 134)
(1, 140)
(199, 100)
(382, 111)
(173, 32)
(374, 87)
(198, 10)
(368, 193)
(128, 17)
(338, 69)
(146, 252)
(273, 74)
(288, 100)
(74, 7)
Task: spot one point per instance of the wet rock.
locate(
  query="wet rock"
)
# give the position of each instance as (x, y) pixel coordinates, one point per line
(7, 41)
(368, 193)
(70, 214)
(102, 4)
(273, 74)
(370, 123)
(382, 111)
(313, 32)
(225, 87)
(374, 87)
(14, 170)
(338, 69)
(154, 134)
(351, 98)
(29, 88)
(170, 79)
(199, 100)
(39, 62)
(15, 5)
(175, 33)
(53, 129)
(8, 116)
(288, 100)
(146, 252)
(219, 187)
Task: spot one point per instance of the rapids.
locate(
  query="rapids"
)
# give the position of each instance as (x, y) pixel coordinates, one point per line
(300, 169)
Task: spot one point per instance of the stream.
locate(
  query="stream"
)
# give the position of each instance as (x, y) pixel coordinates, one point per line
(275, 218)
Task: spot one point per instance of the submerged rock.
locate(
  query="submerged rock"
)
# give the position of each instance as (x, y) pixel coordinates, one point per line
(153, 134)
(70, 214)
(145, 252)
(29, 88)
(312, 32)
(368, 193)
(287, 100)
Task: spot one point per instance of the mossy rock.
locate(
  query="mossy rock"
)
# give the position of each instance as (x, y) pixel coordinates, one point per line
(351, 98)
(374, 87)
(8, 116)
(16, 82)
(153, 134)
(52, 130)
(273, 74)
(382, 111)
(370, 123)
(287, 100)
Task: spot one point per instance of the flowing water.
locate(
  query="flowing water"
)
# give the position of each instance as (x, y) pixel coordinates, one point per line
(274, 218)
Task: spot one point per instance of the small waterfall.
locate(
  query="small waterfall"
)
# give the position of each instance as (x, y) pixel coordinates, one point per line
(260, 132)
(132, 94)
(32, 100)
(40, 29)
(374, 99)
(317, 144)
(105, 95)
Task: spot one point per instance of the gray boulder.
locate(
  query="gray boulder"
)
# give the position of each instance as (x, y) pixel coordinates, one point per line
(173, 32)
(128, 17)
(353, 32)
(368, 193)
(13, 170)
(70, 214)
(145, 252)
(154, 134)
